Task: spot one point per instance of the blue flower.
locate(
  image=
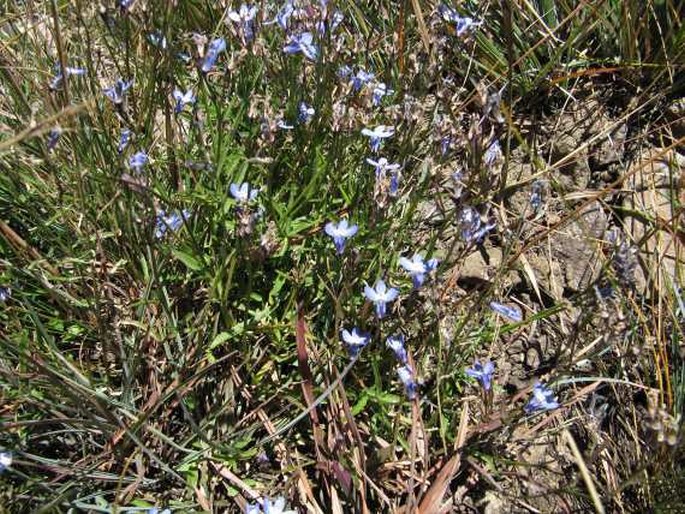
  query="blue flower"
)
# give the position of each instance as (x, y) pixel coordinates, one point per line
(445, 144)
(183, 99)
(465, 24)
(245, 16)
(394, 184)
(243, 192)
(379, 91)
(418, 268)
(215, 47)
(483, 373)
(305, 113)
(117, 92)
(512, 313)
(377, 134)
(53, 137)
(281, 124)
(493, 154)
(5, 460)
(253, 508)
(284, 14)
(406, 375)
(155, 510)
(536, 194)
(396, 344)
(361, 79)
(543, 399)
(303, 42)
(355, 340)
(331, 24)
(276, 506)
(340, 233)
(380, 295)
(124, 140)
(382, 166)
(56, 82)
(448, 14)
(124, 5)
(137, 161)
(5, 293)
(172, 221)
(157, 39)
(268, 506)
(462, 24)
(344, 71)
(472, 228)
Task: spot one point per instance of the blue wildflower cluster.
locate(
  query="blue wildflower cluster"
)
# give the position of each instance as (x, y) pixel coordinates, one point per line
(377, 135)
(383, 168)
(243, 193)
(380, 295)
(306, 27)
(418, 268)
(182, 99)
(405, 371)
(138, 161)
(124, 140)
(53, 138)
(542, 399)
(473, 230)
(302, 43)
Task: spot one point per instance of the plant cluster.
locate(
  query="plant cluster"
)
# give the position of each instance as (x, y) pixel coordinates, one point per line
(252, 253)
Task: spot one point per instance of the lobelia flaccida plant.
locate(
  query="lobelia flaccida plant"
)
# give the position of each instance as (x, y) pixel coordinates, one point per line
(484, 374)
(292, 96)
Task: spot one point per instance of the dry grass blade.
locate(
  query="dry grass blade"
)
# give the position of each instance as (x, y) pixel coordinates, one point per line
(432, 501)
(236, 482)
(423, 29)
(585, 473)
(20, 245)
(531, 276)
(305, 371)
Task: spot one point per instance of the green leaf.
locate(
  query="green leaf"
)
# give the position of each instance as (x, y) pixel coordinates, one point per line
(219, 340)
(190, 261)
(359, 406)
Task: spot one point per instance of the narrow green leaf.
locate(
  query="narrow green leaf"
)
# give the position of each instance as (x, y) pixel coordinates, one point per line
(190, 261)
